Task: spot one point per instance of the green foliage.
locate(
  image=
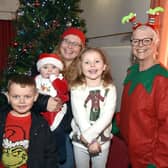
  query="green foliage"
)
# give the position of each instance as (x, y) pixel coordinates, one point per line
(115, 129)
(151, 166)
(39, 24)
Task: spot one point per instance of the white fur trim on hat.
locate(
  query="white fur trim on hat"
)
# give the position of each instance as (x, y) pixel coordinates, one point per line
(49, 60)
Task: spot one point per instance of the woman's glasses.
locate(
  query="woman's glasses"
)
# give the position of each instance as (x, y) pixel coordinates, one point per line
(73, 44)
(145, 41)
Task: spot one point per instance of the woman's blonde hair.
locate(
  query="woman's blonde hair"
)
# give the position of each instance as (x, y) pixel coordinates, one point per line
(106, 75)
(70, 72)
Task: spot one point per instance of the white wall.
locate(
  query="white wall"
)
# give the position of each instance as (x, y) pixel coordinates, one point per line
(8, 9)
(103, 17)
(119, 58)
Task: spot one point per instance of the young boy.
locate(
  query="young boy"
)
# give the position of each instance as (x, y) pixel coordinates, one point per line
(25, 137)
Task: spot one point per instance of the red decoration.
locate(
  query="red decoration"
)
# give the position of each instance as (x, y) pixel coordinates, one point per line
(36, 3)
(30, 46)
(15, 44)
(55, 23)
(24, 50)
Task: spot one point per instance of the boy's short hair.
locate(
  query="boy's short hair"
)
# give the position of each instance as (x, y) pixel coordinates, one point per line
(23, 80)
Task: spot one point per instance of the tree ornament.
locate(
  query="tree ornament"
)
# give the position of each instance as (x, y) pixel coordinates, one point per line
(20, 12)
(69, 24)
(28, 4)
(15, 44)
(20, 32)
(46, 24)
(24, 50)
(37, 25)
(55, 23)
(30, 45)
(36, 3)
(43, 4)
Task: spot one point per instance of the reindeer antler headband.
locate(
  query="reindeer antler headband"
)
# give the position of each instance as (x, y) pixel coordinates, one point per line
(152, 14)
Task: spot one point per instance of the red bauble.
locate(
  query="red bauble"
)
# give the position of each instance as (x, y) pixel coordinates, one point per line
(30, 46)
(15, 44)
(55, 23)
(36, 3)
(24, 50)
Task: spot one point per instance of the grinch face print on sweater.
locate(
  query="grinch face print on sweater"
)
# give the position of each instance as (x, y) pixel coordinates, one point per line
(15, 146)
(14, 157)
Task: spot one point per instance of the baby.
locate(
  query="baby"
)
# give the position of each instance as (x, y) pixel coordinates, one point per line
(51, 82)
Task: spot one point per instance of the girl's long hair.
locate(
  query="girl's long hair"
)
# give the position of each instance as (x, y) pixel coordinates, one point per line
(106, 75)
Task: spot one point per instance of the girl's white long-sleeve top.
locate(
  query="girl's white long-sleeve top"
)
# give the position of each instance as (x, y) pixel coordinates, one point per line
(83, 105)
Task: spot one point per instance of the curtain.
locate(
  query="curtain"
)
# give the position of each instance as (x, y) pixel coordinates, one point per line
(7, 33)
(163, 49)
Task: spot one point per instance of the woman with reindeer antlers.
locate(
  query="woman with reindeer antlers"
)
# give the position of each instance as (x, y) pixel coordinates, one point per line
(144, 112)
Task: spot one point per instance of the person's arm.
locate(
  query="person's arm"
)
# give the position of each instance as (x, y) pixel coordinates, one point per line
(50, 153)
(93, 148)
(41, 103)
(47, 103)
(160, 148)
(3, 99)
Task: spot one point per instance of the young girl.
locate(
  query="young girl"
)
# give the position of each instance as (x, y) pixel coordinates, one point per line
(93, 100)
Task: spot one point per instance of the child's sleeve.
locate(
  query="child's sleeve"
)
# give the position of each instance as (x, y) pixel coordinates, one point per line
(41, 103)
(3, 99)
(50, 153)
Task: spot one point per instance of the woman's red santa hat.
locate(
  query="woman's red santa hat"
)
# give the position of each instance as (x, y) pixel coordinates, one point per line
(49, 58)
(75, 31)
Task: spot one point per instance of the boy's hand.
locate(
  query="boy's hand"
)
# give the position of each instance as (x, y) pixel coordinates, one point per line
(54, 104)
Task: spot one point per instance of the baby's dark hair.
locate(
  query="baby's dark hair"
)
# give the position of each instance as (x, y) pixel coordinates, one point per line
(22, 80)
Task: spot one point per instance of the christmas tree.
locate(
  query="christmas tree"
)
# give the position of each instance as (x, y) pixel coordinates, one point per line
(39, 25)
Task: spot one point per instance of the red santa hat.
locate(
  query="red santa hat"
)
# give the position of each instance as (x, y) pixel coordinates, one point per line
(75, 31)
(49, 58)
